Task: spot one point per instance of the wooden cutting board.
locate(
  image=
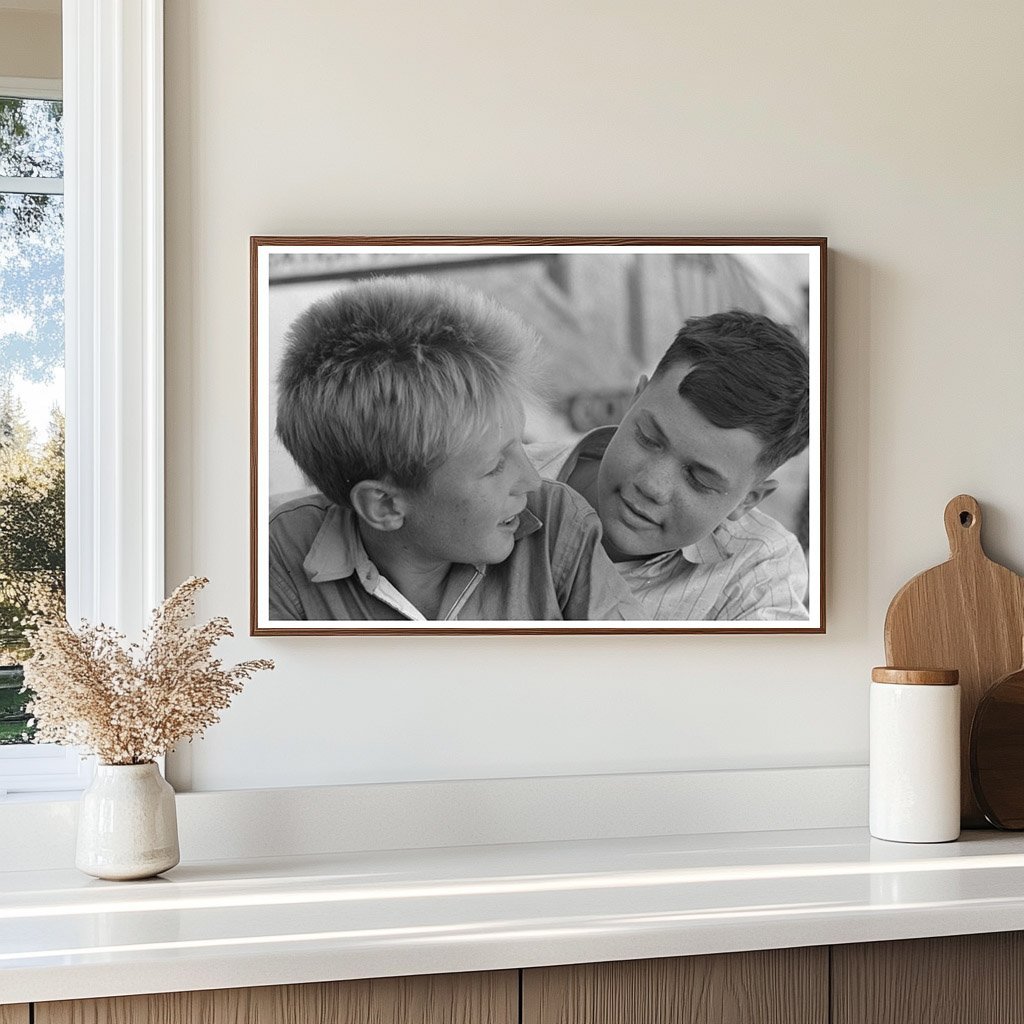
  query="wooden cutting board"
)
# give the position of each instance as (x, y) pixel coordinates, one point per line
(967, 614)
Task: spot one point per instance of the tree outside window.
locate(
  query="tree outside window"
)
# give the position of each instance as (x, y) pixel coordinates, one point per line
(31, 386)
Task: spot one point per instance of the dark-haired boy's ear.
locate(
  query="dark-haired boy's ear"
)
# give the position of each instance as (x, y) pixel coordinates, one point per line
(376, 502)
(753, 497)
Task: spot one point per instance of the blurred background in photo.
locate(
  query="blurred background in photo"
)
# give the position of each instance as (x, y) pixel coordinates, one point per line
(604, 319)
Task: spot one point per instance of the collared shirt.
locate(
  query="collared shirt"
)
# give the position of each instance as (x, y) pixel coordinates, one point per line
(751, 568)
(320, 571)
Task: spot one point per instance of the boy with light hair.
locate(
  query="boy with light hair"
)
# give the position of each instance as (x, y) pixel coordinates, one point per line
(677, 483)
(401, 401)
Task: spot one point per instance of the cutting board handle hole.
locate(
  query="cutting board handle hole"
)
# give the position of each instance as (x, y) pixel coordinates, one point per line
(966, 519)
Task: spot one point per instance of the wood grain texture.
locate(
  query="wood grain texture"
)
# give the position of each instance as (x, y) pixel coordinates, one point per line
(778, 986)
(967, 614)
(480, 998)
(14, 1014)
(915, 676)
(997, 752)
(962, 979)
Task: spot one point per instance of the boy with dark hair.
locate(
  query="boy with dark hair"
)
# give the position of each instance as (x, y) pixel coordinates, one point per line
(400, 399)
(678, 482)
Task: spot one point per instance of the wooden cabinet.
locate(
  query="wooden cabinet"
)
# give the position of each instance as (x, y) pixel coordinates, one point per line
(777, 986)
(491, 998)
(963, 979)
(968, 979)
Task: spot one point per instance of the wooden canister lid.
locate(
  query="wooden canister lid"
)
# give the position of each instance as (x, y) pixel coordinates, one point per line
(916, 676)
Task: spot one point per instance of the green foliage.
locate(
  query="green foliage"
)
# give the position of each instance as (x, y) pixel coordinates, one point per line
(31, 520)
(31, 348)
(31, 138)
(14, 727)
(31, 543)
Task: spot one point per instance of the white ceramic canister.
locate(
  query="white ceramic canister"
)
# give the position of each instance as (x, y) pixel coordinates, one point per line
(915, 755)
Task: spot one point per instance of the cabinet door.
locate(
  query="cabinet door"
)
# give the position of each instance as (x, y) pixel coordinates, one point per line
(14, 1014)
(491, 998)
(777, 986)
(962, 979)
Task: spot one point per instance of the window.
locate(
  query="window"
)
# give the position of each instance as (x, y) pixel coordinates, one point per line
(113, 335)
(113, 320)
(31, 381)
(32, 536)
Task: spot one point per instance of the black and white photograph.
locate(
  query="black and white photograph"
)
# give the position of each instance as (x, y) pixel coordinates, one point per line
(575, 435)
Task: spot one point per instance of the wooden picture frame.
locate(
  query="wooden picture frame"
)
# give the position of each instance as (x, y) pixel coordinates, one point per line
(605, 309)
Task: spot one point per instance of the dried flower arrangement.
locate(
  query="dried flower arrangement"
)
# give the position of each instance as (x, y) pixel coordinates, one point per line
(129, 704)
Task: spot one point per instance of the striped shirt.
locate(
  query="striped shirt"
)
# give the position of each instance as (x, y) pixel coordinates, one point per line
(748, 569)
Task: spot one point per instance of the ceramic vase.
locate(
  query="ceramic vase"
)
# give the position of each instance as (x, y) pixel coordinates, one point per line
(127, 825)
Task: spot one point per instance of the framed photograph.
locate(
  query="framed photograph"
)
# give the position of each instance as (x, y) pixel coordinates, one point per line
(537, 435)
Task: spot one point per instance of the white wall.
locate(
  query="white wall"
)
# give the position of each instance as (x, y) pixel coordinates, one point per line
(29, 42)
(894, 129)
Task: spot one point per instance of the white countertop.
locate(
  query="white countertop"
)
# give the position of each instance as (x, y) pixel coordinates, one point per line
(224, 924)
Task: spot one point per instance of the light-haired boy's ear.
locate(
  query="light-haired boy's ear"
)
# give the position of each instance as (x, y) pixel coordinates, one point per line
(376, 503)
(753, 497)
(640, 385)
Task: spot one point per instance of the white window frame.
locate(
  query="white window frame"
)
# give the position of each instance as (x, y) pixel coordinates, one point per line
(114, 327)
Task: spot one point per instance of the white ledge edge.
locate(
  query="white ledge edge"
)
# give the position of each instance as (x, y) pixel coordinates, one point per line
(240, 824)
